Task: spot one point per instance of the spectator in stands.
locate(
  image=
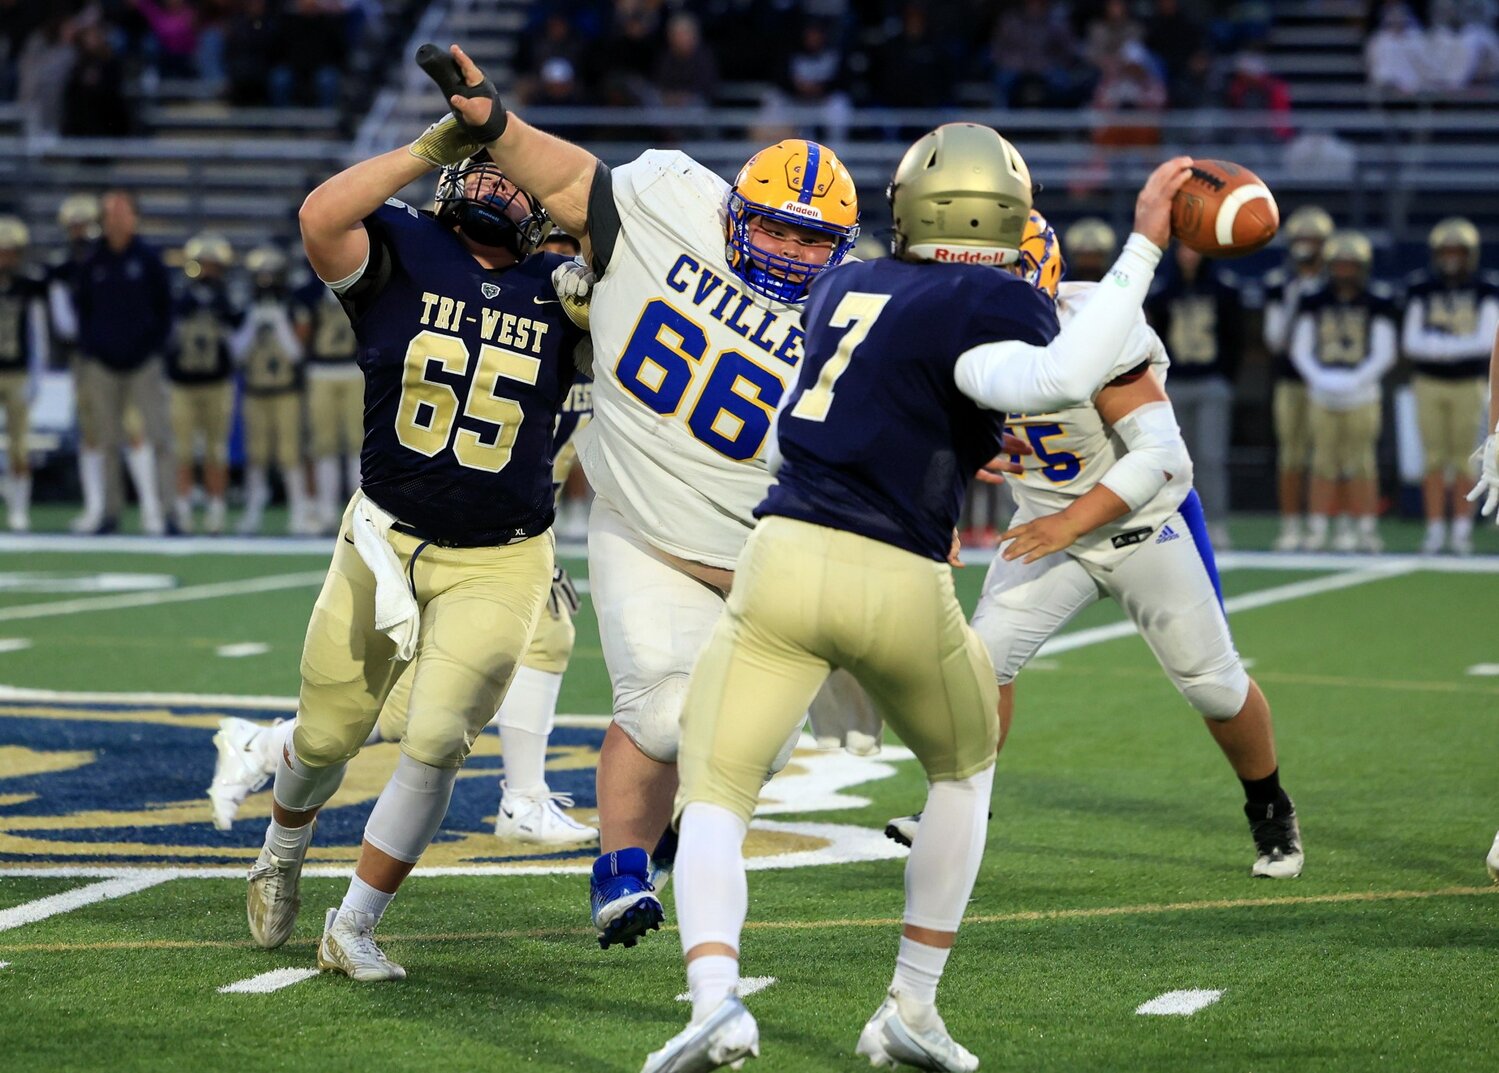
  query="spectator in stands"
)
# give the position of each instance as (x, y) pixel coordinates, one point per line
(1180, 43)
(214, 20)
(1395, 54)
(1110, 32)
(124, 307)
(1036, 57)
(43, 69)
(1483, 43)
(18, 18)
(174, 26)
(557, 40)
(311, 51)
(686, 72)
(622, 62)
(250, 43)
(1458, 55)
(94, 102)
(814, 78)
(913, 68)
(1254, 89)
(1129, 84)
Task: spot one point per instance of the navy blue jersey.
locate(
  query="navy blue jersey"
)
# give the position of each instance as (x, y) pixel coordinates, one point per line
(1343, 327)
(1198, 319)
(124, 303)
(465, 369)
(206, 318)
(18, 310)
(329, 335)
(876, 437)
(1452, 307)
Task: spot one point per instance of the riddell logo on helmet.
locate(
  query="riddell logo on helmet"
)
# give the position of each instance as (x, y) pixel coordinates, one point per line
(967, 256)
(796, 208)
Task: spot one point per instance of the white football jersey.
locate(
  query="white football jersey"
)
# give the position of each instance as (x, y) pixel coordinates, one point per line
(1074, 449)
(689, 367)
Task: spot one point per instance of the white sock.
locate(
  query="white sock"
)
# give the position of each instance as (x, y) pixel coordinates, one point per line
(287, 841)
(1345, 524)
(712, 893)
(363, 898)
(213, 518)
(141, 462)
(1462, 527)
(18, 501)
(918, 970)
(182, 513)
(91, 477)
(1290, 525)
(944, 862)
(296, 491)
(710, 980)
(327, 476)
(1368, 524)
(525, 720)
(257, 495)
(1316, 526)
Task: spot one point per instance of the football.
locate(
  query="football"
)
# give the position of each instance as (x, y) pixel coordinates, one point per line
(1224, 210)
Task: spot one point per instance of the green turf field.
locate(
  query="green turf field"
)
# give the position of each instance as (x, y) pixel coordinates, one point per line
(1116, 870)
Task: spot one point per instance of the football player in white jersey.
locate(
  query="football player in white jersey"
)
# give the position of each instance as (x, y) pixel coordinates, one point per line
(696, 332)
(1106, 508)
(1486, 493)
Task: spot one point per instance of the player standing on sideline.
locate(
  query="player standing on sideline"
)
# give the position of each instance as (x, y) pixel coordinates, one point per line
(696, 335)
(1106, 507)
(270, 355)
(335, 399)
(1195, 308)
(445, 558)
(201, 371)
(23, 356)
(1090, 245)
(1486, 493)
(1451, 318)
(1307, 229)
(1343, 344)
(892, 411)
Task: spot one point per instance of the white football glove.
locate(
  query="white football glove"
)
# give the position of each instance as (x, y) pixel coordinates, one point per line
(1488, 479)
(573, 279)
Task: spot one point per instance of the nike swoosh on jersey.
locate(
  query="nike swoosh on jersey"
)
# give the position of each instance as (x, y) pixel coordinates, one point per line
(545, 301)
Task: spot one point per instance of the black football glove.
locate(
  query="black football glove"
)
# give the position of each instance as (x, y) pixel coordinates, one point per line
(443, 69)
(563, 592)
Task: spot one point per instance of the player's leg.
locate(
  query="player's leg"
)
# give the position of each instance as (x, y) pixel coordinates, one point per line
(528, 809)
(91, 476)
(259, 443)
(1431, 407)
(1322, 497)
(347, 669)
(1293, 450)
(1469, 404)
(653, 622)
(218, 412)
(1172, 594)
(17, 428)
(479, 609)
(930, 676)
(326, 432)
(1361, 432)
(748, 693)
(184, 407)
(147, 394)
(289, 425)
(1022, 605)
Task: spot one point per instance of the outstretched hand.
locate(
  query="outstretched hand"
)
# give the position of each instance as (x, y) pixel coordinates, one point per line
(473, 97)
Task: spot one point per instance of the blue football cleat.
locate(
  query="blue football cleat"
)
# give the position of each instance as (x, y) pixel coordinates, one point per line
(625, 905)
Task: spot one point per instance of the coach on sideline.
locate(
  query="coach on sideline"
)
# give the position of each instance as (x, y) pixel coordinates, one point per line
(124, 318)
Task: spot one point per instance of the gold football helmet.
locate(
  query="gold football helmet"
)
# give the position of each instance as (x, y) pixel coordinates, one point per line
(960, 195)
(1349, 247)
(13, 234)
(1455, 233)
(206, 247)
(1306, 230)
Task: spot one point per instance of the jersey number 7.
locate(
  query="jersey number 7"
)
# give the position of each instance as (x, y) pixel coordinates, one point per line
(857, 312)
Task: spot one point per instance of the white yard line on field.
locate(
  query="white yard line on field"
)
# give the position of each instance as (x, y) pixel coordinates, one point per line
(1178, 1003)
(267, 982)
(1279, 594)
(69, 900)
(14, 644)
(1484, 670)
(242, 649)
(211, 591)
(748, 985)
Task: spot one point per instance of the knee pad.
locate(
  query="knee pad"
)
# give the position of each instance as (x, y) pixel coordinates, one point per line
(410, 809)
(301, 785)
(321, 747)
(652, 719)
(438, 743)
(1218, 694)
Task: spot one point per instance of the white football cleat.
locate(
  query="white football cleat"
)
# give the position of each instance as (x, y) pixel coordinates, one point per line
(274, 897)
(242, 767)
(726, 1037)
(905, 1032)
(1314, 541)
(1493, 860)
(1345, 542)
(539, 819)
(1431, 543)
(1289, 540)
(1461, 544)
(1370, 543)
(349, 947)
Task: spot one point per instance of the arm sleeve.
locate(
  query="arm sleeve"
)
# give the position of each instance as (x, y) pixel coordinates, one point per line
(1278, 323)
(358, 291)
(64, 317)
(1067, 371)
(603, 218)
(1157, 454)
(1420, 342)
(244, 335)
(40, 338)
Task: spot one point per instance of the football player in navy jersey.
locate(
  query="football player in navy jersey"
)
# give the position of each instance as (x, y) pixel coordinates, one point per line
(23, 353)
(911, 364)
(445, 557)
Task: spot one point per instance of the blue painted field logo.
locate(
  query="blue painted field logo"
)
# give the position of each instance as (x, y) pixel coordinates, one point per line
(89, 784)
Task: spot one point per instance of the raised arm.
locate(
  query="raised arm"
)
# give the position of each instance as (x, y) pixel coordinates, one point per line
(1017, 376)
(557, 172)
